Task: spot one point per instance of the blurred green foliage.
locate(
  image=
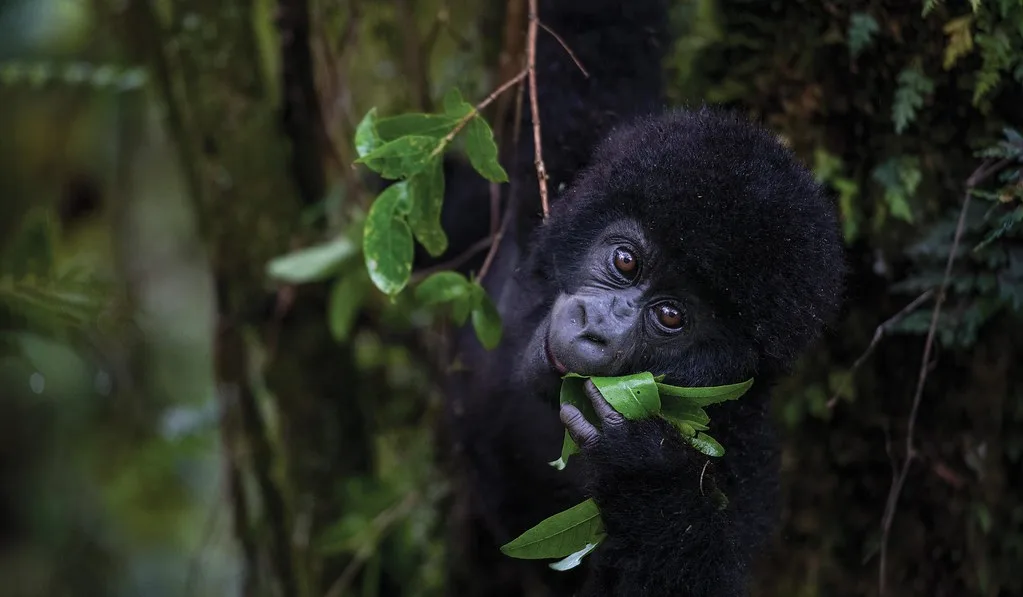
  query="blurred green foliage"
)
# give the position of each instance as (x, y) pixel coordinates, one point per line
(143, 207)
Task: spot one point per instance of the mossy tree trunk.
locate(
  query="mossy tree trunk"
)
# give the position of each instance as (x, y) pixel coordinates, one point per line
(249, 140)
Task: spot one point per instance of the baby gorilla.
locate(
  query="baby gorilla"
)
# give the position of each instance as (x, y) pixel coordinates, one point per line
(696, 247)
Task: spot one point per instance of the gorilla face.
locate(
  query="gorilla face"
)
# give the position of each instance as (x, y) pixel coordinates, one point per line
(620, 310)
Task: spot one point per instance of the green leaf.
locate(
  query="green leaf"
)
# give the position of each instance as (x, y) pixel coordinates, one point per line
(960, 39)
(900, 177)
(462, 307)
(899, 206)
(435, 126)
(568, 447)
(402, 157)
(634, 396)
(684, 410)
(455, 106)
(366, 137)
(575, 559)
(485, 319)
(346, 297)
(707, 395)
(687, 429)
(1002, 226)
(427, 195)
(572, 392)
(914, 87)
(479, 144)
(559, 536)
(862, 28)
(707, 444)
(443, 287)
(311, 263)
(387, 240)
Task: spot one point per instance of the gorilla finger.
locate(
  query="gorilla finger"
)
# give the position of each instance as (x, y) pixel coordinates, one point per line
(608, 415)
(582, 431)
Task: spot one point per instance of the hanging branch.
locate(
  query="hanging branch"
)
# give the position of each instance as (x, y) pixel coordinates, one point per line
(479, 108)
(564, 45)
(541, 169)
(879, 333)
(979, 175)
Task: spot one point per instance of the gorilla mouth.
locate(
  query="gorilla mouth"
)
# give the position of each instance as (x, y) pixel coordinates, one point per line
(551, 359)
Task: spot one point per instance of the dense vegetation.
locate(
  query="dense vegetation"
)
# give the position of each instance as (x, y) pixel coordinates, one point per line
(205, 390)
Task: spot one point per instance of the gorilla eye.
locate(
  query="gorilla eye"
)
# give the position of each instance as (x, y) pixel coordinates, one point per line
(625, 262)
(669, 316)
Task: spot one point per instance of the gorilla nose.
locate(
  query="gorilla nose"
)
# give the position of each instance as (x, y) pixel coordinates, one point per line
(583, 339)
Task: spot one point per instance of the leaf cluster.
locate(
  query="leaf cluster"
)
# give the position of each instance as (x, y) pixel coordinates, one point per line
(573, 533)
(988, 273)
(408, 149)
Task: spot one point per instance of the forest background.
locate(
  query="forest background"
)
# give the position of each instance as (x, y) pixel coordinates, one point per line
(202, 395)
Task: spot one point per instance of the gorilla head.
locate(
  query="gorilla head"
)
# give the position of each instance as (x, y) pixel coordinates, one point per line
(695, 246)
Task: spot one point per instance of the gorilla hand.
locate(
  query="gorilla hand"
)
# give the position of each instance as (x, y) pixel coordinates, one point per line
(667, 533)
(627, 460)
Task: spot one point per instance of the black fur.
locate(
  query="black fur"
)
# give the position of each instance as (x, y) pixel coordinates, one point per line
(736, 218)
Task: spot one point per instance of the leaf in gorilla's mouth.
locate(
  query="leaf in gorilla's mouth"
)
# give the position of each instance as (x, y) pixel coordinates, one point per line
(575, 532)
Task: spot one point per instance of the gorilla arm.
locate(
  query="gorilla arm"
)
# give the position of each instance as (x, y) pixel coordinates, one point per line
(667, 534)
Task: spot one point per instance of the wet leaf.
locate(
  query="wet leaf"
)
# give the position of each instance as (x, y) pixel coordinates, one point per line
(387, 240)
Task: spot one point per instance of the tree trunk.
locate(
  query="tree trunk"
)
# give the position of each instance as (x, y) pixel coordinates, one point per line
(249, 150)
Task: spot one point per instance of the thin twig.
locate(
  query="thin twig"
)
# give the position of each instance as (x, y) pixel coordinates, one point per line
(454, 262)
(507, 215)
(495, 208)
(504, 87)
(980, 174)
(878, 334)
(379, 526)
(541, 169)
(571, 54)
(702, 473)
(517, 127)
(475, 112)
(505, 218)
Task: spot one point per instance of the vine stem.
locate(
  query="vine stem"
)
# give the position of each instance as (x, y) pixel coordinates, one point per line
(879, 333)
(541, 168)
(475, 111)
(984, 171)
(564, 45)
